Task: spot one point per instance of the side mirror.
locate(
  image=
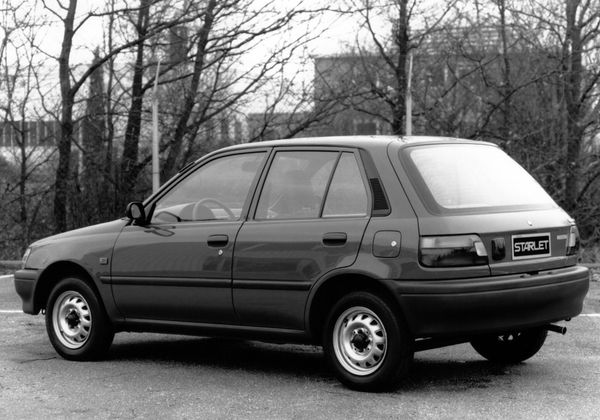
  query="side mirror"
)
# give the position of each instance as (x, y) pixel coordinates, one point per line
(135, 211)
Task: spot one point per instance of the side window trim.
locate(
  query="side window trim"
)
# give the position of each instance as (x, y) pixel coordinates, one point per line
(375, 189)
(261, 183)
(326, 193)
(257, 185)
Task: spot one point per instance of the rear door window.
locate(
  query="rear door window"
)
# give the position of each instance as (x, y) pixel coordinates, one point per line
(296, 185)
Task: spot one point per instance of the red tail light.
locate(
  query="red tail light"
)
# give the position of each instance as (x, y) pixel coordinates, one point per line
(452, 251)
(573, 241)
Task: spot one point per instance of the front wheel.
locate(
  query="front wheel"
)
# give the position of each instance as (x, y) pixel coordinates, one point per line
(76, 322)
(366, 344)
(512, 347)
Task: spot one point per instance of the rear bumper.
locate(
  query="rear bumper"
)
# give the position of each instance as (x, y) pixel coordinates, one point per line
(491, 304)
(25, 286)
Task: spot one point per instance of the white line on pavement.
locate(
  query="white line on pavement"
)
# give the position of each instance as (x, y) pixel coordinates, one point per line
(591, 315)
(6, 277)
(11, 311)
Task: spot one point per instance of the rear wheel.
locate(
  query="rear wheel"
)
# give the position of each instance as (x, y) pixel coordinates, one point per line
(366, 344)
(512, 347)
(76, 322)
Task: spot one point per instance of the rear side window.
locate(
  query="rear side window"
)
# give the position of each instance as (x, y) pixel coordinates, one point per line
(296, 185)
(313, 184)
(462, 177)
(347, 195)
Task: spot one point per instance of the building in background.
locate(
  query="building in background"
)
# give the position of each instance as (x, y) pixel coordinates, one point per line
(347, 81)
(30, 133)
(37, 139)
(460, 84)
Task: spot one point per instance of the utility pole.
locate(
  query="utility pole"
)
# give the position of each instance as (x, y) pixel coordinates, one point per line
(408, 95)
(155, 133)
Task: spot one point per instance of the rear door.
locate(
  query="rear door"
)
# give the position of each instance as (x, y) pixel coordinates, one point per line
(308, 220)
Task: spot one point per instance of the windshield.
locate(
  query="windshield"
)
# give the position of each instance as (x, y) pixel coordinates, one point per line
(456, 177)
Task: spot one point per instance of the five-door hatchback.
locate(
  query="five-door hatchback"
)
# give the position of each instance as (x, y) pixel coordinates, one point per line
(373, 247)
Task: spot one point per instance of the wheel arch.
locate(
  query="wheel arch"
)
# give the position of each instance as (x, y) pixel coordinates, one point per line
(54, 273)
(328, 291)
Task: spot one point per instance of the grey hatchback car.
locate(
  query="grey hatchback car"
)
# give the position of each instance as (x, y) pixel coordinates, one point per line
(373, 247)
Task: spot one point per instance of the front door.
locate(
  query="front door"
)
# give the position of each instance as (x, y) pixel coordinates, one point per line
(178, 266)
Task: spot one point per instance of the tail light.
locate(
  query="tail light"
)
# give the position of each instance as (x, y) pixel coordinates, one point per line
(452, 251)
(573, 241)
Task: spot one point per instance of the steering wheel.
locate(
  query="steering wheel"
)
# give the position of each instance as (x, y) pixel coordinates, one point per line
(160, 216)
(197, 207)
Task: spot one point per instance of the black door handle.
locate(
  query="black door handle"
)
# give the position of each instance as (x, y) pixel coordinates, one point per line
(217, 240)
(334, 239)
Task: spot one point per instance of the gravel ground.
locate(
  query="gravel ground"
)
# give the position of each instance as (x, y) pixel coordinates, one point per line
(592, 300)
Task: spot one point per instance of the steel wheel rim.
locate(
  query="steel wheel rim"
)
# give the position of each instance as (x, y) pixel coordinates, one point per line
(72, 319)
(359, 341)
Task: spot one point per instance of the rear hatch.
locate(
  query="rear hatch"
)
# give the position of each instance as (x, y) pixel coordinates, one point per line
(478, 209)
(515, 242)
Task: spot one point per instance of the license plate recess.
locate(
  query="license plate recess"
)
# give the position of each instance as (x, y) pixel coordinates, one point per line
(531, 245)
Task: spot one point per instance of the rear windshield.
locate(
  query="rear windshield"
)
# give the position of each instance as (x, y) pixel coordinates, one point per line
(463, 177)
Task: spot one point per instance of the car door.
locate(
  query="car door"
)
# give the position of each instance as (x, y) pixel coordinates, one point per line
(309, 219)
(178, 266)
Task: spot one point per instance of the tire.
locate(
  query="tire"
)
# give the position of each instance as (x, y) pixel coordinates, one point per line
(76, 321)
(366, 343)
(510, 347)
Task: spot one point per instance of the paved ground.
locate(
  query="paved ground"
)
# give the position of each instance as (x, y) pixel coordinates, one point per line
(156, 376)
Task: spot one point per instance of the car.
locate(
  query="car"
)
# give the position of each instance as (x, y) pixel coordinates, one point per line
(374, 247)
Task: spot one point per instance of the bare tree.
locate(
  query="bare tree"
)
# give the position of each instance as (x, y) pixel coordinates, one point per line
(384, 59)
(205, 85)
(25, 140)
(72, 81)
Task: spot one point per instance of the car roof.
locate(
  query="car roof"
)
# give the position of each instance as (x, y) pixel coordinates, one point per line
(361, 142)
(366, 142)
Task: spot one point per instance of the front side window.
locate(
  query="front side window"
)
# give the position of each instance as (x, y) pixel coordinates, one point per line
(296, 185)
(215, 191)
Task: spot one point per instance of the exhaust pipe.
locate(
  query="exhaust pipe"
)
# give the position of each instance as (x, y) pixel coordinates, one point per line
(556, 328)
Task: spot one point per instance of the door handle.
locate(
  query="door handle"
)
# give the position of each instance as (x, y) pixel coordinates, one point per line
(217, 241)
(335, 238)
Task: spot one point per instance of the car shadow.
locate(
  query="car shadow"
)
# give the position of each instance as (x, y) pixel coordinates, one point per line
(456, 375)
(226, 353)
(301, 361)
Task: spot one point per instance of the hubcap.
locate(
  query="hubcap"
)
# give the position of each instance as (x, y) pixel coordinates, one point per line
(359, 341)
(71, 319)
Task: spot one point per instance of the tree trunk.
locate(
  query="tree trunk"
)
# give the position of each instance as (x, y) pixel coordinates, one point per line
(23, 219)
(129, 168)
(572, 55)
(506, 70)
(169, 167)
(63, 173)
(109, 189)
(93, 178)
(401, 41)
